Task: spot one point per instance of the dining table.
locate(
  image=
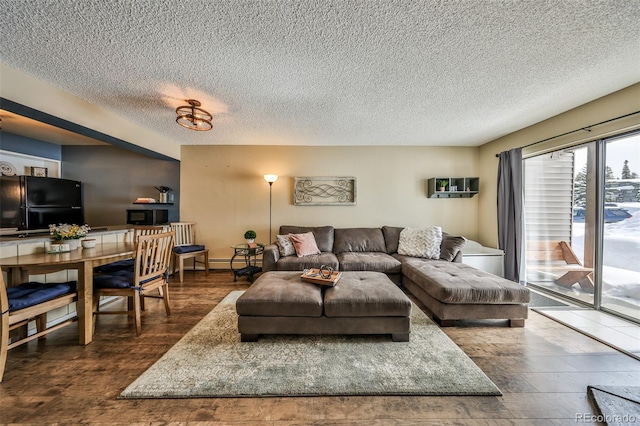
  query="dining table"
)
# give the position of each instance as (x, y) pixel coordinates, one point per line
(19, 268)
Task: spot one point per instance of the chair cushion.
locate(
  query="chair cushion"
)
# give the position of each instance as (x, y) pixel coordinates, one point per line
(115, 266)
(120, 279)
(113, 281)
(33, 293)
(188, 249)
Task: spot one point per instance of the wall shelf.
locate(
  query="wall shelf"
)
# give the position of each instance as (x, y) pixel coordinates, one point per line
(467, 187)
(155, 204)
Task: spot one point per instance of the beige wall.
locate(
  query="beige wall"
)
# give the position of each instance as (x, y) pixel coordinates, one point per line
(223, 189)
(617, 104)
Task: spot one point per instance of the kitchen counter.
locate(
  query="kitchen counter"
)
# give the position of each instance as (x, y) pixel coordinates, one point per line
(40, 237)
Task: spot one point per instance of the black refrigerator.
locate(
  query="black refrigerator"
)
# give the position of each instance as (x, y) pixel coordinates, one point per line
(30, 203)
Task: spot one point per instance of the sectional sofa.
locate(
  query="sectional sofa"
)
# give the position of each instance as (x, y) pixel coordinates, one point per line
(450, 289)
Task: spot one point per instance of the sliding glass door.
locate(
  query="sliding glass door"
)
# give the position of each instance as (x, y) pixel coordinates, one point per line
(621, 230)
(582, 223)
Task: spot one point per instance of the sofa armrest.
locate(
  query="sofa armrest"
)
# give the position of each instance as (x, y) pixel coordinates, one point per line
(270, 257)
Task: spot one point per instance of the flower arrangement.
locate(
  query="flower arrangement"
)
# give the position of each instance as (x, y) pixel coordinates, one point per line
(65, 231)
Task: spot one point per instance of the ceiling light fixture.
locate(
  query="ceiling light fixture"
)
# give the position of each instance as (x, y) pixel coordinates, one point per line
(192, 117)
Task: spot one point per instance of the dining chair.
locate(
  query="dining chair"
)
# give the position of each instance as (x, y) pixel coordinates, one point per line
(150, 272)
(28, 302)
(127, 264)
(186, 248)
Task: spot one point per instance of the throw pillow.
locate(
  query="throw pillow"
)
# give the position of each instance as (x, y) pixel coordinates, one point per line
(451, 246)
(285, 246)
(420, 242)
(305, 244)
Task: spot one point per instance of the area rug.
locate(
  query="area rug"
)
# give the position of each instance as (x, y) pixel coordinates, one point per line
(210, 361)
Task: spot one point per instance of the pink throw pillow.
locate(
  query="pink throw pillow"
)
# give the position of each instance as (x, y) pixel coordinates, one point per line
(305, 244)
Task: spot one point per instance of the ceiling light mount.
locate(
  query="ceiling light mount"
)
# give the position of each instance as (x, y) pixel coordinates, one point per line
(193, 117)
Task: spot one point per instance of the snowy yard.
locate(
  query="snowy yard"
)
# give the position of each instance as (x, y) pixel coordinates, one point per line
(621, 256)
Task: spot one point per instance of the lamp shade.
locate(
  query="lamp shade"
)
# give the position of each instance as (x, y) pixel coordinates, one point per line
(271, 178)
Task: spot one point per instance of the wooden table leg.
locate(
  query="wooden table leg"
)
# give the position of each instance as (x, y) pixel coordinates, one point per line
(85, 302)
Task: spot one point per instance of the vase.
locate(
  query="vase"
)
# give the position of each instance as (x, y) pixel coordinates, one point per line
(250, 240)
(73, 244)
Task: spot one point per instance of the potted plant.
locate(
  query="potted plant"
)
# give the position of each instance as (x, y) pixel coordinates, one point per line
(250, 236)
(443, 184)
(68, 233)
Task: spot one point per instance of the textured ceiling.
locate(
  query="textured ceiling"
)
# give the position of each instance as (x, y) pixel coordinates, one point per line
(346, 72)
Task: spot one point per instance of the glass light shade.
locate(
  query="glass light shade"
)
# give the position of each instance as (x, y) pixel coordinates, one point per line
(271, 178)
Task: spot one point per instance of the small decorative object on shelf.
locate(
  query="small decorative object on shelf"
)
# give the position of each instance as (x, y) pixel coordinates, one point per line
(69, 234)
(164, 193)
(452, 187)
(39, 171)
(250, 236)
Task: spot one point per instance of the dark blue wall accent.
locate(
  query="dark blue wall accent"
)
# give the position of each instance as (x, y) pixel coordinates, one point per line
(28, 146)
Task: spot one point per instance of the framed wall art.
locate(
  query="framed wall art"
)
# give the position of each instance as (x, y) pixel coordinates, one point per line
(324, 191)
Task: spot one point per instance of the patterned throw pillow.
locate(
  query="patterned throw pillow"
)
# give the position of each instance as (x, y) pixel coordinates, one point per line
(285, 246)
(421, 242)
(305, 244)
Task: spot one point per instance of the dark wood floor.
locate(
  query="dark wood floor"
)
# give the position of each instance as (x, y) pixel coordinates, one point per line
(543, 370)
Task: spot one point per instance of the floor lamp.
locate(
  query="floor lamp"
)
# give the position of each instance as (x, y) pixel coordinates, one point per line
(270, 179)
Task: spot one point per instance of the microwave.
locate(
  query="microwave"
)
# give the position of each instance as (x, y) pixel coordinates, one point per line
(147, 217)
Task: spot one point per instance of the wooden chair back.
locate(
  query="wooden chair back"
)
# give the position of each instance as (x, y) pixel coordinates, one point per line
(151, 273)
(153, 257)
(185, 233)
(140, 230)
(186, 236)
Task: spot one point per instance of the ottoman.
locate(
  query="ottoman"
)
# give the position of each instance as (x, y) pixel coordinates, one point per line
(279, 302)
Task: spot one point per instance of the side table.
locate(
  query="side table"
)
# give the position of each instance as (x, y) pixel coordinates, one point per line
(250, 252)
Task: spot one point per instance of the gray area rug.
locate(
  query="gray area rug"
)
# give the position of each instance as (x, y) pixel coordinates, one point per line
(210, 361)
